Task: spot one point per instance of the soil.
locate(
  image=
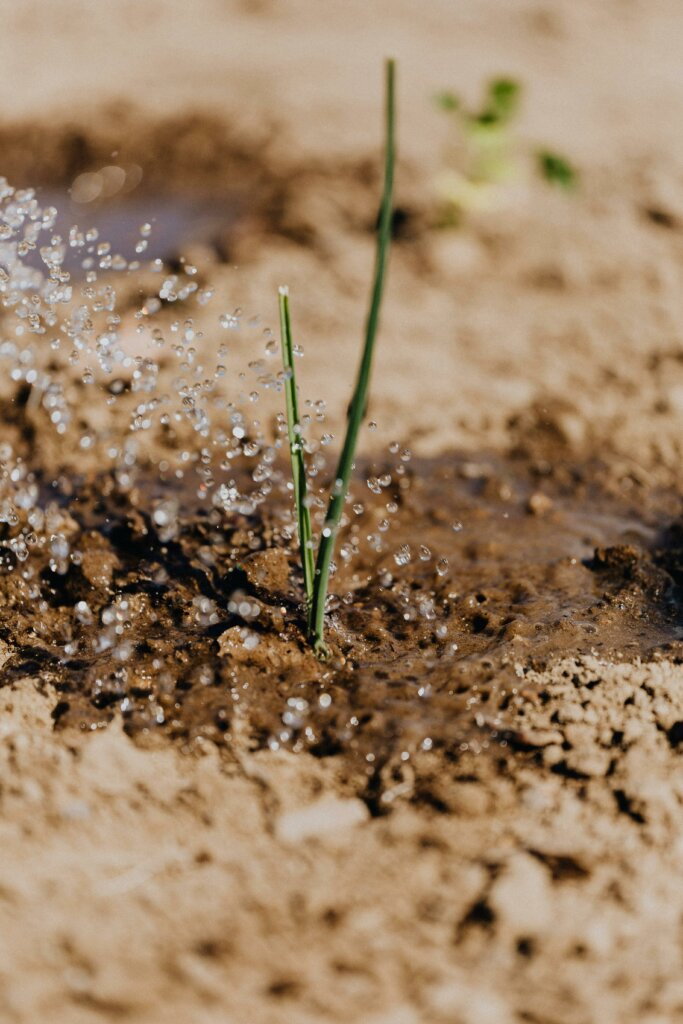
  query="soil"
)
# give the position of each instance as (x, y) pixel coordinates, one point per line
(474, 810)
(200, 635)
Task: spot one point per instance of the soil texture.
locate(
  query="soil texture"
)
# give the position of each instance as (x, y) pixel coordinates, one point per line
(473, 813)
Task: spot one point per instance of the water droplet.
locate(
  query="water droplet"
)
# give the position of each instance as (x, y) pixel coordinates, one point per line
(403, 555)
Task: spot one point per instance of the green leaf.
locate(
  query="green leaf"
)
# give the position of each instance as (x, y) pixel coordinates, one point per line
(502, 102)
(557, 170)
(296, 446)
(359, 401)
(447, 101)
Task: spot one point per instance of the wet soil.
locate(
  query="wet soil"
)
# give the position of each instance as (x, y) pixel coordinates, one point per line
(197, 179)
(489, 569)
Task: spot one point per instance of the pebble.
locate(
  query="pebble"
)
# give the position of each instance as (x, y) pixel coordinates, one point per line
(461, 1001)
(539, 504)
(323, 818)
(593, 763)
(521, 897)
(570, 713)
(530, 737)
(98, 566)
(552, 755)
(633, 730)
(665, 713)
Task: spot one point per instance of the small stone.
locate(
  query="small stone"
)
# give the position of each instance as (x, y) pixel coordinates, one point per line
(324, 818)
(572, 427)
(553, 755)
(665, 713)
(539, 504)
(5, 653)
(580, 736)
(98, 564)
(529, 737)
(570, 713)
(593, 762)
(521, 897)
(633, 730)
(75, 810)
(459, 1000)
(269, 570)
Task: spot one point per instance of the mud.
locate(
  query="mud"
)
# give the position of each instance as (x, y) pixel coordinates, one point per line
(488, 569)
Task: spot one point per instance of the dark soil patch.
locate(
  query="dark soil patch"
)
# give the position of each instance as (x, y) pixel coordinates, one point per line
(195, 177)
(506, 566)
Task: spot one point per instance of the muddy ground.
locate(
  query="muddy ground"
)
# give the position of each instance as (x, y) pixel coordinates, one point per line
(474, 811)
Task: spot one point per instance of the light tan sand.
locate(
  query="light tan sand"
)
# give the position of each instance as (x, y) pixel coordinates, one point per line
(147, 886)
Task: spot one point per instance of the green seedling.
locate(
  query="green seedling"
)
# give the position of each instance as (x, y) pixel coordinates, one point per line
(557, 170)
(296, 448)
(483, 156)
(319, 582)
(501, 104)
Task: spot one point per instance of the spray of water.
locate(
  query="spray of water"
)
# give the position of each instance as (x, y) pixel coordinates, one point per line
(120, 372)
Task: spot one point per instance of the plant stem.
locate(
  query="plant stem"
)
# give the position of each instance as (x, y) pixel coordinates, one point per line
(296, 448)
(357, 408)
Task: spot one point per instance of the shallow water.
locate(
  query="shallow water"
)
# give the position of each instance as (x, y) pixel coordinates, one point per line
(175, 223)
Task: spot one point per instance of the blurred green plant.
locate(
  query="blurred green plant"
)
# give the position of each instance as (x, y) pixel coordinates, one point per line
(483, 156)
(557, 170)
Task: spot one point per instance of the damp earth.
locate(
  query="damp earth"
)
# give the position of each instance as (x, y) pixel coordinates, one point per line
(154, 577)
(187, 623)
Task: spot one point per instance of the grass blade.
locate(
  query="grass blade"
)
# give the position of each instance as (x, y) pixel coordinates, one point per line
(296, 447)
(357, 408)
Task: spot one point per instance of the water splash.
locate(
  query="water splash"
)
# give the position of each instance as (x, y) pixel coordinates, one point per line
(131, 369)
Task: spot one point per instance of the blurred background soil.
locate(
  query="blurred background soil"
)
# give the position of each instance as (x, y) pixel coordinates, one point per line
(544, 885)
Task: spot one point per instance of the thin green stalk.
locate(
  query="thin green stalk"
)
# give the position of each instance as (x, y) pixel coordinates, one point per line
(357, 408)
(296, 448)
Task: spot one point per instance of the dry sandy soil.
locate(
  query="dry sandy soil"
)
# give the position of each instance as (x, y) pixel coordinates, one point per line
(536, 876)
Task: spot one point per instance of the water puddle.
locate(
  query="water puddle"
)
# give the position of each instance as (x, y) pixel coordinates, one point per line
(135, 227)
